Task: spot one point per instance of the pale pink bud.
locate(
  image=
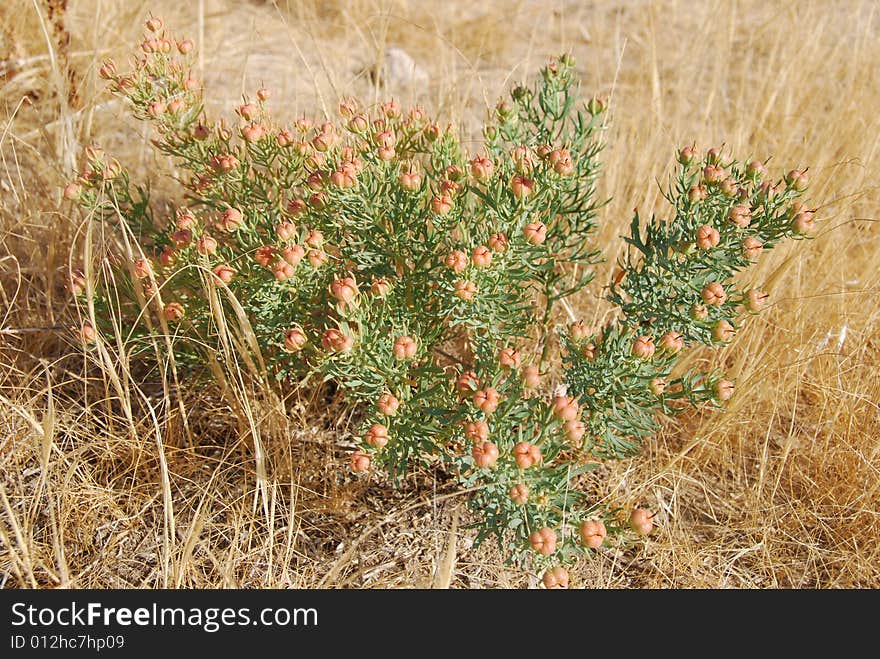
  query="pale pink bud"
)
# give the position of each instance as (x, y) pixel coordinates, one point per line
(531, 377)
(723, 331)
(520, 494)
(335, 341)
(672, 341)
(231, 220)
(482, 169)
(574, 431)
(803, 223)
(264, 94)
(543, 541)
(344, 290)
(724, 390)
(498, 242)
(476, 431)
(173, 312)
(740, 216)
(755, 300)
(465, 289)
(752, 248)
(509, 358)
(441, 205)
(521, 186)
(142, 268)
(360, 461)
(657, 386)
(410, 181)
(526, 455)
(206, 245)
(87, 333)
(293, 255)
(314, 239)
(72, 191)
(154, 24)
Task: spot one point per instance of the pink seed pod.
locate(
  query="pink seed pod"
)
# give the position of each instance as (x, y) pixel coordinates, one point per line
(562, 162)
(285, 230)
(314, 239)
(173, 312)
(521, 186)
(293, 255)
(485, 454)
(686, 154)
(294, 339)
(296, 206)
(264, 94)
(201, 132)
(531, 377)
(432, 132)
(450, 188)
(579, 330)
(526, 455)
(520, 494)
(713, 155)
(498, 242)
(264, 255)
(358, 125)
(476, 431)
(387, 404)
(335, 341)
(380, 287)
(386, 154)
(755, 300)
(87, 333)
(465, 290)
(185, 220)
(224, 273)
(167, 256)
(72, 191)
(185, 47)
(457, 261)
(697, 193)
(574, 431)
(723, 390)
(441, 205)
(345, 289)
(344, 179)
(467, 382)
(481, 257)
(317, 258)
(231, 220)
(182, 237)
(323, 141)
(253, 132)
(486, 400)
(155, 108)
(592, 533)
(417, 114)
(248, 111)
(535, 232)
(410, 181)
(803, 223)
(107, 70)
(482, 169)
(699, 312)
(154, 24)
(509, 358)
(707, 237)
(284, 138)
(76, 283)
(767, 191)
(641, 520)
(752, 248)
(453, 173)
(282, 270)
(206, 245)
(713, 174)
(405, 347)
(391, 109)
(522, 159)
(756, 169)
(713, 293)
(728, 187)
(555, 578)
(566, 408)
(377, 435)
(360, 461)
(672, 341)
(589, 351)
(723, 331)
(657, 386)
(191, 84)
(543, 541)
(740, 216)
(175, 106)
(797, 179)
(384, 139)
(643, 347)
(142, 268)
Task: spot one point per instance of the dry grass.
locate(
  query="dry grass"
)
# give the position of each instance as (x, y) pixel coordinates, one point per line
(102, 484)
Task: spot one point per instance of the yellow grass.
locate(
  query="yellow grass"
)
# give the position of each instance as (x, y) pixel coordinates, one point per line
(110, 481)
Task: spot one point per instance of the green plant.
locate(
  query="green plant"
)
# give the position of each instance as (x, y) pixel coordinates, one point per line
(375, 252)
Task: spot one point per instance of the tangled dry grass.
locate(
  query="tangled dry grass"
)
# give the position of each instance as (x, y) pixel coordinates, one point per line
(106, 481)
